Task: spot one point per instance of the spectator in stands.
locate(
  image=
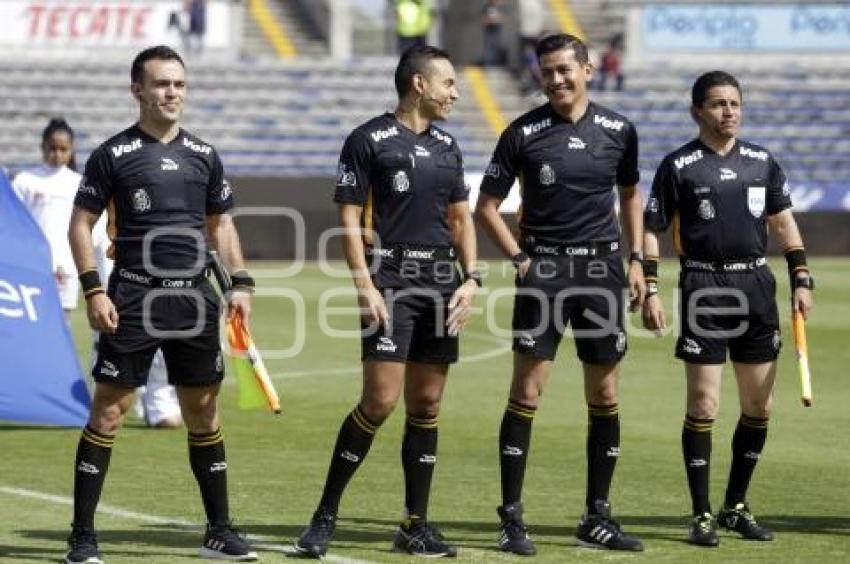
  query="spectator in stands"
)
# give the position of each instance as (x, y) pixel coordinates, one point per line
(413, 23)
(611, 63)
(531, 28)
(177, 30)
(48, 192)
(197, 10)
(491, 22)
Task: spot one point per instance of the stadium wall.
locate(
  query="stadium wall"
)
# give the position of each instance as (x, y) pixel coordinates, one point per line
(278, 218)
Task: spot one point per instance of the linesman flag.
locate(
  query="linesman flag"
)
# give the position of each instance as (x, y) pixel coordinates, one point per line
(255, 388)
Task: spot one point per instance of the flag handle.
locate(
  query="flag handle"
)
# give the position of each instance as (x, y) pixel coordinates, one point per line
(802, 358)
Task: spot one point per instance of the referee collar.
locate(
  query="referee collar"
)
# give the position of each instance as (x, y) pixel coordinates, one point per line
(587, 111)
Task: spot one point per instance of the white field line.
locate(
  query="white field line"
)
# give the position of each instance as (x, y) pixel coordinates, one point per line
(263, 541)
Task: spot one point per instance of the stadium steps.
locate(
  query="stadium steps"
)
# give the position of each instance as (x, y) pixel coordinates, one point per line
(255, 44)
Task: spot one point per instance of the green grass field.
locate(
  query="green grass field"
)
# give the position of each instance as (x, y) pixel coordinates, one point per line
(151, 511)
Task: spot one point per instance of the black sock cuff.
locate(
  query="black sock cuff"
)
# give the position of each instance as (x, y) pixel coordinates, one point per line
(362, 421)
(753, 422)
(426, 423)
(603, 411)
(521, 410)
(98, 439)
(206, 439)
(698, 425)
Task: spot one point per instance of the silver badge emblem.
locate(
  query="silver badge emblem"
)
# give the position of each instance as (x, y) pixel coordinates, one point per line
(401, 183)
(756, 196)
(141, 200)
(547, 175)
(705, 210)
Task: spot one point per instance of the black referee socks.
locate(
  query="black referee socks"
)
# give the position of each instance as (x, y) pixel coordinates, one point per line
(352, 445)
(603, 449)
(206, 456)
(514, 440)
(747, 444)
(418, 458)
(90, 466)
(696, 449)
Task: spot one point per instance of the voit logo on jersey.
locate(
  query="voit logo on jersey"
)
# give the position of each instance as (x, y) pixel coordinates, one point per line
(385, 344)
(576, 143)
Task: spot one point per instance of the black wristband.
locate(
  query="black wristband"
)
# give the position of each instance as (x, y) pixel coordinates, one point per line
(519, 258)
(796, 259)
(475, 276)
(241, 280)
(90, 283)
(650, 268)
(636, 256)
(802, 280)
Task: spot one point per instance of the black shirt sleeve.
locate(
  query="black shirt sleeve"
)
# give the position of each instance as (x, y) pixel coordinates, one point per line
(778, 193)
(627, 170)
(219, 191)
(662, 202)
(502, 170)
(460, 190)
(95, 188)
(355, 162)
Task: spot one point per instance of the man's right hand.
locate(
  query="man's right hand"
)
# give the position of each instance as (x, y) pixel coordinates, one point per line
(102, 314)
(523, 268)
(653, 314)
(372, 306)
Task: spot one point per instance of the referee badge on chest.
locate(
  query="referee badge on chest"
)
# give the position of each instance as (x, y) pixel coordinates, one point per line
(546, 175)
(401, 183)
(141, 200)
(705, 210)
(756, 199)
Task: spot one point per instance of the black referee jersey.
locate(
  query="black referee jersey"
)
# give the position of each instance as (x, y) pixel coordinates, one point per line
(717, 204)
(567, 172)
(405, 181)
(150, 185)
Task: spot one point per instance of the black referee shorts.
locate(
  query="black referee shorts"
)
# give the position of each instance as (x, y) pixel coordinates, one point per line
(183, 323)
(720, 310)
(588, 294)
(417, 330)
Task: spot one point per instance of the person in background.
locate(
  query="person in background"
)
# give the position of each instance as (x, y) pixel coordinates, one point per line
(611, 64)
(413, 23)
(491, 23)
(48, 191)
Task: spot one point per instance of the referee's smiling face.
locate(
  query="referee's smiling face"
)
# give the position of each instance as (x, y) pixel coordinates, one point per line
(438, 89)
(564, 78)
(162, 91)
(720, 114)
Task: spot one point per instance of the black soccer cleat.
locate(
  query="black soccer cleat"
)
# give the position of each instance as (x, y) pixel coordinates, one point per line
(420, 538)
(513, 534)
(224, 542)
(82, 547)
(740, 520)
(702, 531)
(313, 542)
(596, 529)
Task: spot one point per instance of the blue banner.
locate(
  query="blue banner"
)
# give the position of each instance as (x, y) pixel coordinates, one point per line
(747, 27)
(40, 377)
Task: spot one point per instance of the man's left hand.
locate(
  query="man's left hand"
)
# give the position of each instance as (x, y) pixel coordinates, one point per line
(460, 307)
(239, 302)
(637, 286)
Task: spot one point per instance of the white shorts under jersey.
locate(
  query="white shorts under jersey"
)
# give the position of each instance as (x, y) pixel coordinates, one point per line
(48, 193)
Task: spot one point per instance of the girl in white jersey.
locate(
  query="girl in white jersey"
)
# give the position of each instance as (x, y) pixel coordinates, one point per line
(48, 192)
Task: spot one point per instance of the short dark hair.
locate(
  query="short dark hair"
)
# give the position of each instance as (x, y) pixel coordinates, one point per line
(707, 81)
(415, 60)
(558, 41)
(159, 52)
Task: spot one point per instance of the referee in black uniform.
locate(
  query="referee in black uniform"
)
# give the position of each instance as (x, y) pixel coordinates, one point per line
(403, 204)
(722, 195)
(568, 154)
(165, 190)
